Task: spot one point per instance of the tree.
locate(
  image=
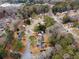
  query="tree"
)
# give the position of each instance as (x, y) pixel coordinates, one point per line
(71, 50)
(76, 56)
(74, 5)
(57, 56)
(18, 45)
(66, 40)
(40, 28)
(48, 21)
(52, 40)
(76, 24)
(33, 40)
(3, 52)
(60, 7)
(44, 8)
(9, 35)
(27, 10)
(66, 19)
(16, 55)
(22, 1)
(28, 22)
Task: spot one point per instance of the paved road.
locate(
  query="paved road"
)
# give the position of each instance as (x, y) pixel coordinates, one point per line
(27, 54)
(29, 28)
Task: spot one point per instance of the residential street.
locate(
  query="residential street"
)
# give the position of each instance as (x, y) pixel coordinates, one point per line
(39, 31)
